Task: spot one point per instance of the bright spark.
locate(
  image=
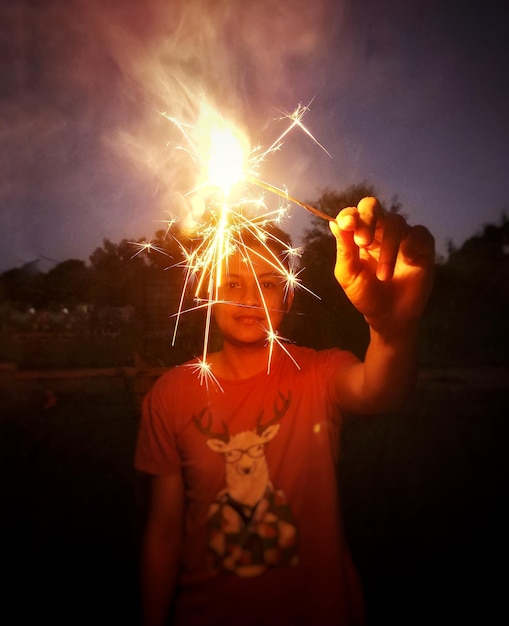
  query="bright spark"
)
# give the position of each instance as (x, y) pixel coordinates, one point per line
(204, 371)
(146, 246)
(226, 158)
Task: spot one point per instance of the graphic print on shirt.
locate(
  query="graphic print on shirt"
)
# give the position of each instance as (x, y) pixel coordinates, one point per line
(251, 526)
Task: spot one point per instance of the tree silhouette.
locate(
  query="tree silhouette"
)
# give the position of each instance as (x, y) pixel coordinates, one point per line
(468, 311)
(66, 284)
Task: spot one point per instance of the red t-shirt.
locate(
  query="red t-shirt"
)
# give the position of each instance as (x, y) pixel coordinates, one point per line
(263, 537)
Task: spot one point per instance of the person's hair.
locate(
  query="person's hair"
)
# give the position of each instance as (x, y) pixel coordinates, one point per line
(272, 236)
(258, 238)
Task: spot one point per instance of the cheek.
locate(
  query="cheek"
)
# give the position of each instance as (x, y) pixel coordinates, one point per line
(229, 295)
(219, 312)
(277, 309)
(275, 301)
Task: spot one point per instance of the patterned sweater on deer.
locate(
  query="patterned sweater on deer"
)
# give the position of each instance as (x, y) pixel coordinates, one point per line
(263, 537)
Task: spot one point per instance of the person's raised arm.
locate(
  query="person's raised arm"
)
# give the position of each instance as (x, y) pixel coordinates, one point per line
(161, 547)
(386, 269)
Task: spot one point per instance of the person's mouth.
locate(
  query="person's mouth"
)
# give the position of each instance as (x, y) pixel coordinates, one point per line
(249, 319)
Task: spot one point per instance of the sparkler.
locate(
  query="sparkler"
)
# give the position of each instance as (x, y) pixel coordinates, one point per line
(232, 218)
(145, 246)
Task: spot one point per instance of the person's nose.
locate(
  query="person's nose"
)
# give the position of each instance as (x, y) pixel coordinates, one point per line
(250, 295)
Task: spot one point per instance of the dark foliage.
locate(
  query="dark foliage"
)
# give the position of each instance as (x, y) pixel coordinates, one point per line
(467, 315)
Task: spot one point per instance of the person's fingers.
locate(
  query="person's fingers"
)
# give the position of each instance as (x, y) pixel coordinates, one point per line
(347, 260)
(347, 219)
(370, 214)
(394, 231)
(418, 247)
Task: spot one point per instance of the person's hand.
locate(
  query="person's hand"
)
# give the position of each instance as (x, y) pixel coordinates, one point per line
(384, 265)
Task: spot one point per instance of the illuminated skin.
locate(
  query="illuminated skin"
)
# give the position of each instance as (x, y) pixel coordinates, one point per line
(385, 266)
(249, 293)
(253, 300)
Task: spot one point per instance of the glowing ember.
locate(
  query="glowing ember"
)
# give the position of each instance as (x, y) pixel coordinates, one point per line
(226, 160)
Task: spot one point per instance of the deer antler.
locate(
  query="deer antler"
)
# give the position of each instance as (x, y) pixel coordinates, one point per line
(278, 413)
(206, 429)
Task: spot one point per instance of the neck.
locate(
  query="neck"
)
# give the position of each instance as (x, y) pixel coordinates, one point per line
(238, 362)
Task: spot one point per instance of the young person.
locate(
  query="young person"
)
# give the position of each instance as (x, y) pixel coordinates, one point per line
(244, 523)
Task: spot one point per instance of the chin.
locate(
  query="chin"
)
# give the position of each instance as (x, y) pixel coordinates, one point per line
(247, 341)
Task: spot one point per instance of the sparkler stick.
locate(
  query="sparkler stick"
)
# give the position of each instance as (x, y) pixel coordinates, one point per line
(284, 194)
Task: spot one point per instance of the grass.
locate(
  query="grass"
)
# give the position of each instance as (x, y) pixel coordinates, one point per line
(423, 495)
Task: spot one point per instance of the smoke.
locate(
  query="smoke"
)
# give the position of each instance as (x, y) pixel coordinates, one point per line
(240, 53)
(247, 60)
(86, 154)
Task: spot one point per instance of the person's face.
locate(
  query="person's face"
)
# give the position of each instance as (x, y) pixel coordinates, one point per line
(247, 284)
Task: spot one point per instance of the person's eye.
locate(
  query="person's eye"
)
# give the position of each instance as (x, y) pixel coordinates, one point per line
(268, 284)
(233, 285)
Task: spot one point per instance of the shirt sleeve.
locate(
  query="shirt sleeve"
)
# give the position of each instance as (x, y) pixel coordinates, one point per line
(156, 446)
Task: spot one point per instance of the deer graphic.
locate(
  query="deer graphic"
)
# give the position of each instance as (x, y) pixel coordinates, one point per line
(251, 526)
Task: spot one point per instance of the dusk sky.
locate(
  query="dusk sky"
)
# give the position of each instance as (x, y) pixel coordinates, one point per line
(411, 96)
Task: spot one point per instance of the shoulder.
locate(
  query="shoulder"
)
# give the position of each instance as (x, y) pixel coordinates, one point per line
(314, 372)
(176, 376)
(179, 381)
(167, 402)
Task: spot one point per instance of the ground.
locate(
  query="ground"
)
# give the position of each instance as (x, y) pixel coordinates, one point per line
(423, 498)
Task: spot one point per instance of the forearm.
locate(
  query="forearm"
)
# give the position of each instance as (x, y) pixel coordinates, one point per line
(162, 540)
(159, 567)
(390, 365)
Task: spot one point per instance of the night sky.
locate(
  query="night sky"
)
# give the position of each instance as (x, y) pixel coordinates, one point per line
(411, 96)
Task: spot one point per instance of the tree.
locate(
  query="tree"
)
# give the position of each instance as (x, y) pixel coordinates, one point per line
(116, 274)
(67, 283)
(467, 315)
(22, 286)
